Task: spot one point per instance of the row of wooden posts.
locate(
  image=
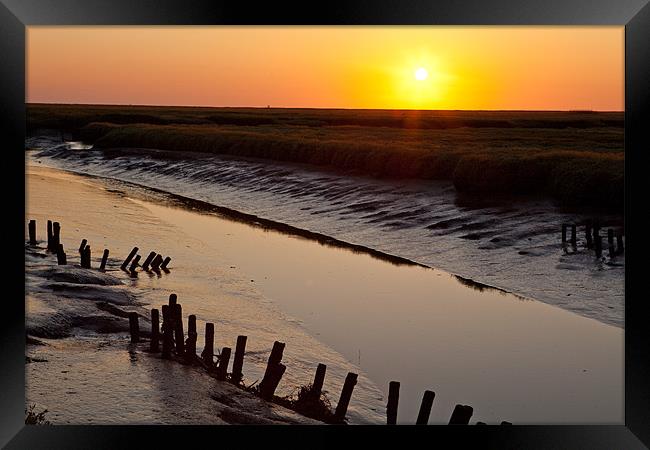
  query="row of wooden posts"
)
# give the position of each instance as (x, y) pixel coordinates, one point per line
(594, 240)
(176, 346)
(54, 245)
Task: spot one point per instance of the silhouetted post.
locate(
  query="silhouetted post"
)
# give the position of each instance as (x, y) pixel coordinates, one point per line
(134, 263)
(163, 266)
(574, 237)
(598, 241)
(56, 235)
(346, 395)
(156, 262)
(596, 231)
(238, 362)
(134, 327)
(425, 408)
(588, 236)
(32, 232)
(82, 246)
(85, 257)
(167, 330)
(49, 235)
(102, 266)
(273, 371)
(190, 343)
(155, 332)
(393, 400)
(178, 329)
(128, 258)
(61, 258)
(461, 415)
(610, 242)
(319, 379)
(208, 349)
(563, 233)
(619, 243)
(222, 369)
(173, 298)
(145, 265)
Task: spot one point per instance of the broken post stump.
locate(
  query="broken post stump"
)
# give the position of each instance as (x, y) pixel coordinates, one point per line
(273, 371)
(238, 362)
(173, 298)
(129, 258)
(178, 328)
(156, 262)
(425, 408)
(49, 235)
(145, 265)
(461, 415)
(222, 368)
(574, 237)
(82, 245)
(610, 243)
(319, 380)
(208, 348)
(163, 266)
(564, 226)
(134, 263)
(190, 343)
(155, 332)
(393, 400)
(134, 327)
(32, 232)
(56, 235)
(346, 395)
(85, 257)
(102, 266)
(619, 243)
(167, 331)
(61, 258)
(588, 236)
(598, 245)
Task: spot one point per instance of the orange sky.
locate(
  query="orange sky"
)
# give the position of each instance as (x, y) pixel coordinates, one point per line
(537, 68)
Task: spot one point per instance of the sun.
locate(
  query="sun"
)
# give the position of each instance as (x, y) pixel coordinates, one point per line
(421, 74)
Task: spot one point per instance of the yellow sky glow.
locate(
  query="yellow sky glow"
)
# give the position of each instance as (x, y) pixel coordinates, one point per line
(515, 68)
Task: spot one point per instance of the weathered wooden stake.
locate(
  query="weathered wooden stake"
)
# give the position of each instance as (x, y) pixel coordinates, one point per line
(273, 371)
(598, 241)
(346, 395)
(155, 332)
(461, 415)
(128, 258)
(102, 266)
(82, 245)
(588, 236)
(564, 225)
(167, 332)
(165, 262)
(135, 263)
(147, 261)
(49, 235)
(85, 257)
(425, 408)
(61, 258)
(56, 235)
(238, 362)
(178, 329)
(208, 348)
(224, 358)
(32, 232)
(134, 327)
(190, 343)
(574, 237)
(619, 243)
(173, 298)
(610, 243)
(156, 262)
(393, 400)
(319, 379)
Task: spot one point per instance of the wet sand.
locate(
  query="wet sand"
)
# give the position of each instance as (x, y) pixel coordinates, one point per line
(510, 358)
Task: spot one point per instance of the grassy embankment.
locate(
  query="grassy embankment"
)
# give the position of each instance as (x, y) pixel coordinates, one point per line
(574, 157)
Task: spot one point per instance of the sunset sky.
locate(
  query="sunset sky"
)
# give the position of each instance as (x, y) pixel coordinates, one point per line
(534, 68)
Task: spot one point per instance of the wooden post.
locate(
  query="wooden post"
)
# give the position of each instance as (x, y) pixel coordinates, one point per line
(134, 327)
(224, 358)
(563, 233)
(147, 261)
(49, 235)
(134, 263)
(85, 257)
(393, 400)
(156, 262)
(588, 236)
(163, 266)
(574, 237)
(208, 348)
(319, 379)
(190, 343)
(173, 298)
(273, 371)
(596, 231)
(619, 243)
(461, 415)
(598, 241)
(346, 395)
(610, 243)
(178, 329)
(425, 408)
(102, 266)
(82, 245)
(61, 258)
(155, 332)
(56, 235)
(238, 362)
(32, 232)
(128, 258)
(168, 331)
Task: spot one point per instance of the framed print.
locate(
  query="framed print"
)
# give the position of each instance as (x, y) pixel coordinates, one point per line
(334, 218)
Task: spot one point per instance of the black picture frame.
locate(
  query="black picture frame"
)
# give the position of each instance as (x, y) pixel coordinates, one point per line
(15, 15)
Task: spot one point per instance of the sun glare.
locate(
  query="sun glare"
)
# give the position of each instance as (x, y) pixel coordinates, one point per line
(421, 74)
